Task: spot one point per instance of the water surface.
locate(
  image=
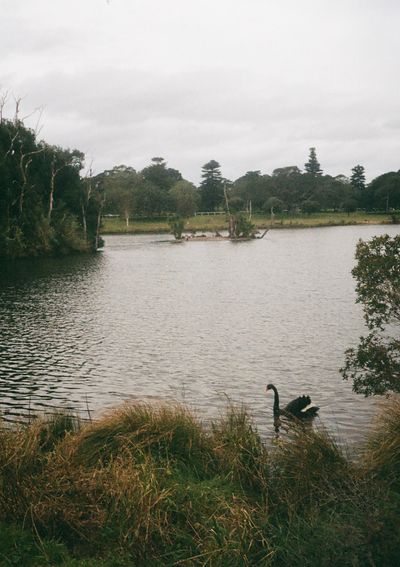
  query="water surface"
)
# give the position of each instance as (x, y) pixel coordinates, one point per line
(195, 322)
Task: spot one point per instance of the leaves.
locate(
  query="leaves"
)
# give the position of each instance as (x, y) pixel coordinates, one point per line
(378, 280)
(374, 366)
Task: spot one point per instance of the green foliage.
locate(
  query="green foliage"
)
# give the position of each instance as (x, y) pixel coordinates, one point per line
(374, 366)
(155, 190)
(349, 205)
(310, 206)
(211, 187)
(252, 187)
(312, 166)
(240, 226)
(47, 208)
(236, 204)
(244, 227)
(357, 179)
(384, 191)
(20, 548)
(177, 224)
(273, 204)
(68, 237)
(185, 198)
(161, 176)
(40, 191)
(119, 185)
(291, 190)
(286, 171)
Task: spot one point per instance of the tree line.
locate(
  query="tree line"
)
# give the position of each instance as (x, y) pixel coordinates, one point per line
(49, 205)
(46, 205)
(158, 189)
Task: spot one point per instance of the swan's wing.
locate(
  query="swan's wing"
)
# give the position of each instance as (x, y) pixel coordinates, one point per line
(311, 412)
(297, 405)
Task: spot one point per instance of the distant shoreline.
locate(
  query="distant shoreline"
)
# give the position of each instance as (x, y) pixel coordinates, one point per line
(209, 223)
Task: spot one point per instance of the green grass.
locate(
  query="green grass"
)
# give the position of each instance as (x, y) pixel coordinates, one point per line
(151, 485)
(219, 222)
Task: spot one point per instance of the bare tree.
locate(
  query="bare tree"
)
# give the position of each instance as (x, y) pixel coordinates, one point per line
(3, 101)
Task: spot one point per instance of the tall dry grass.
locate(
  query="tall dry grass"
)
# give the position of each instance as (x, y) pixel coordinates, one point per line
(151, 485)
(382, 455)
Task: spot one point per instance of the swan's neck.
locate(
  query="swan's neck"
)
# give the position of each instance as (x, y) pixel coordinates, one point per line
(276, 400)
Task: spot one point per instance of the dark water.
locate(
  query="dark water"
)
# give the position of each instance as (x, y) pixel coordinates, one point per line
(195, 322)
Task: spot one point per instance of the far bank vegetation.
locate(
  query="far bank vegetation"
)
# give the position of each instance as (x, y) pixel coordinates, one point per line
(140, 201)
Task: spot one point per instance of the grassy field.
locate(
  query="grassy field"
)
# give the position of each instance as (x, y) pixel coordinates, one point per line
(219, 222)
(151, 486)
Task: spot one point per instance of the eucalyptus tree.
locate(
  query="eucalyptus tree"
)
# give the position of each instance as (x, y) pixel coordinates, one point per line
(41, 195)
(252, 187)
(384, 191)
(120, 184)
(287, 170)
(161, 176)
(184, 198)
(289, 186)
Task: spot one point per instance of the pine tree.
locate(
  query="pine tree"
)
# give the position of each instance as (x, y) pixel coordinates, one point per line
(312, 166)
(357, 178)
(211, 188)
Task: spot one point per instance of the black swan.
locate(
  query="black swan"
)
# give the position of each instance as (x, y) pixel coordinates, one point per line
(295, 408)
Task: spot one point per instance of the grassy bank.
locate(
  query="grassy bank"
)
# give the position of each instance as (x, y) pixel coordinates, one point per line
(151, 486)
(219, 222)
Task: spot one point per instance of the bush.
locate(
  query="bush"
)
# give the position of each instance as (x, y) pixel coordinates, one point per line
(176, 224)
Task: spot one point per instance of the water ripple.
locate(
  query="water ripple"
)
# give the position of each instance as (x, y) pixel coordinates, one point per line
(197, 323)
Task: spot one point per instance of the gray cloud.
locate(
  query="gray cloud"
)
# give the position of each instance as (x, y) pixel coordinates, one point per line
(251, 84)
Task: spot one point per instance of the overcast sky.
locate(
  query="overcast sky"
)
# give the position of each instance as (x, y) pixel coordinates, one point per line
(250, 83)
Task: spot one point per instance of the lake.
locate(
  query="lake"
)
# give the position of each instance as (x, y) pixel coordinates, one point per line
(197, 322)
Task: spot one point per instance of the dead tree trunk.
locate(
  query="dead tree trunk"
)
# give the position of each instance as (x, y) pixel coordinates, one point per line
(99, 222)
(53, 175)
(24, 167)
(87, 183)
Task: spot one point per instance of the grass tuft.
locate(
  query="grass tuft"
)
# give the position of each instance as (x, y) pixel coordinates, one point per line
(150, 485)
(382, 455)
(308, 467)
(239, 451)
(165, 432)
